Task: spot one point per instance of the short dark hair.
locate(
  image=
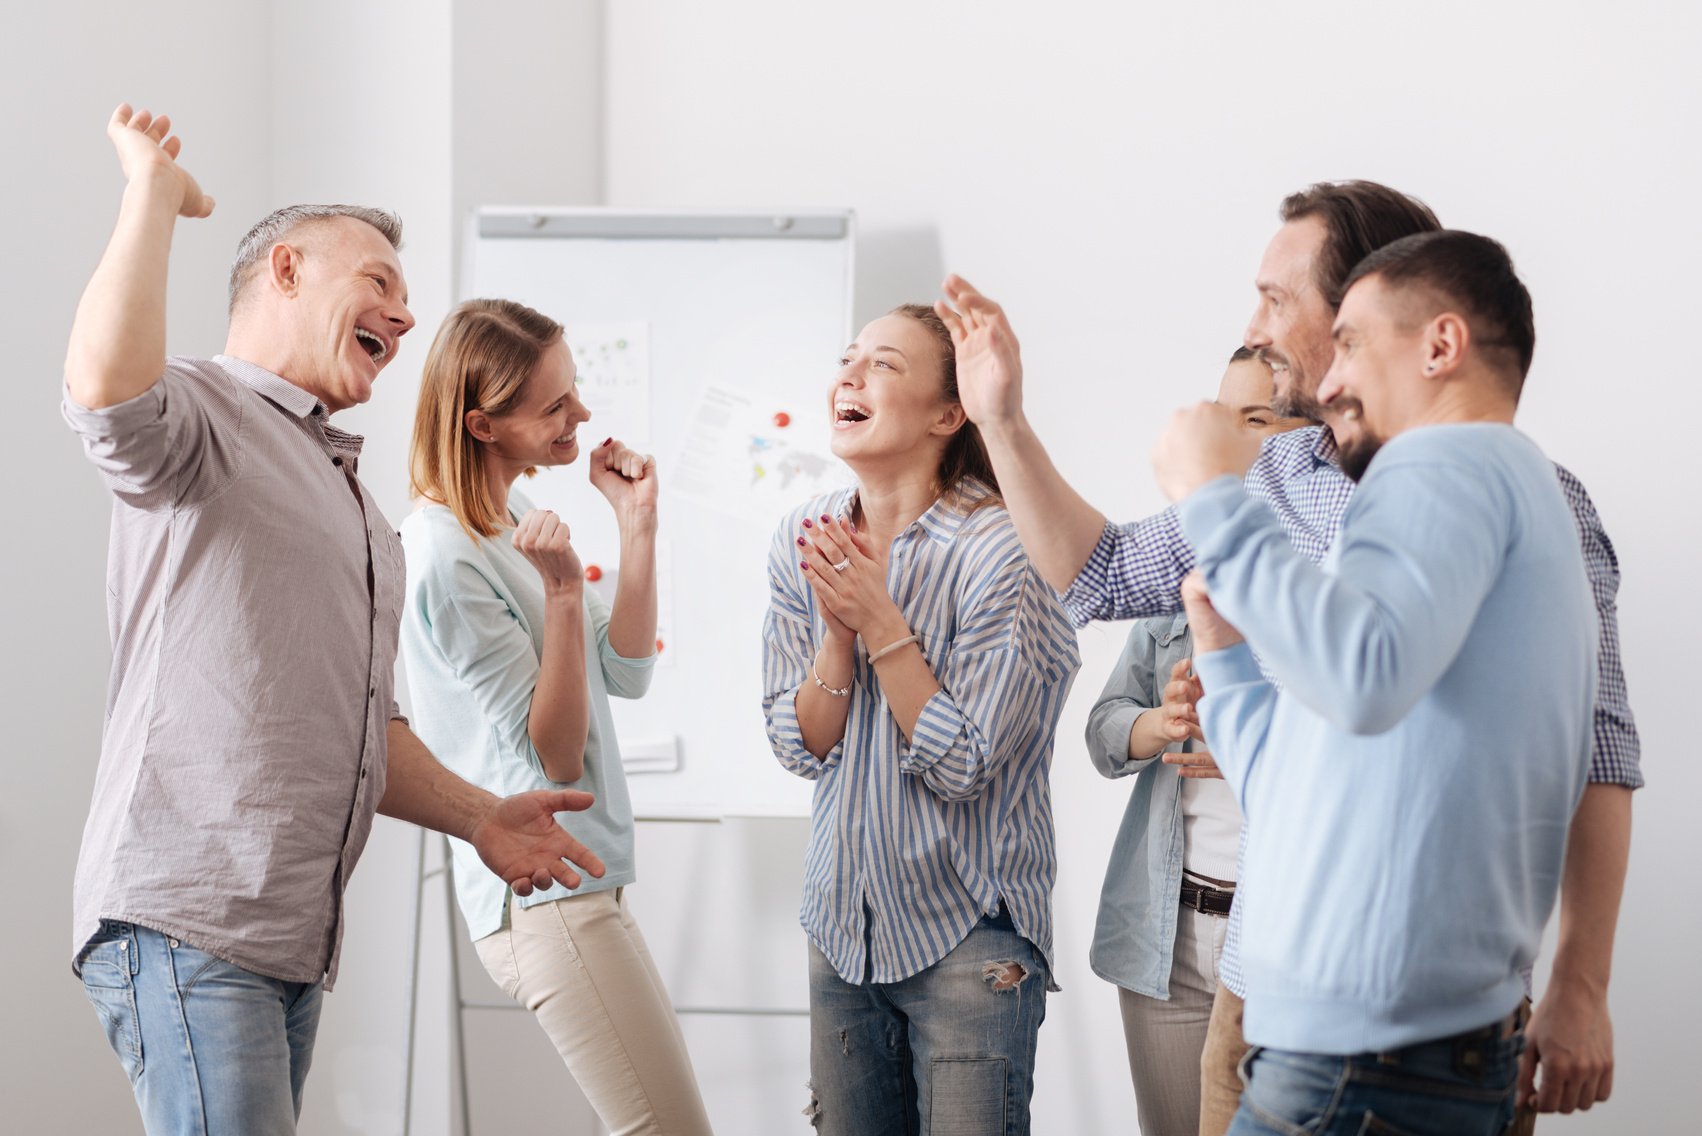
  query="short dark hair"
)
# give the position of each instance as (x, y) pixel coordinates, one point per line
(1468, 273)
(1359, 218)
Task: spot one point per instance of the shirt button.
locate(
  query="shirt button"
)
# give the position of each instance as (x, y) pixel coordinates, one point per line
(337, 461)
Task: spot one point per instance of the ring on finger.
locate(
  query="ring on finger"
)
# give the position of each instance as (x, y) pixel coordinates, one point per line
(842, 565)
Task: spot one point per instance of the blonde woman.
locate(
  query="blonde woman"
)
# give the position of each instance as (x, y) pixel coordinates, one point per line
(914, 667)
(511, 661)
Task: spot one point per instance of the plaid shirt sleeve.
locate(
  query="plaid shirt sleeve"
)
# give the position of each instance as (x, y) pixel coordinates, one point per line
(1135, 571)
(1616, 759)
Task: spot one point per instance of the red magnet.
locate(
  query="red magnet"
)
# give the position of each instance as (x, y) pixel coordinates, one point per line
(782, 420)
(593, 573)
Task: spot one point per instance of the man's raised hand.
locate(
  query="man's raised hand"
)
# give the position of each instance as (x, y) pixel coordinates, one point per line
(989, 359)
(147, 151)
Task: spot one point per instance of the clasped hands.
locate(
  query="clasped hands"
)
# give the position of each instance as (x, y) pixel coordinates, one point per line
(849, 581)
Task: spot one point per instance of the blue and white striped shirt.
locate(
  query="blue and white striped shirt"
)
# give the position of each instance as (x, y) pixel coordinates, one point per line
(928, 835)
(1136, 570)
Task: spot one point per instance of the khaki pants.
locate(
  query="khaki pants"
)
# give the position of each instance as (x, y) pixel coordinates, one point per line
(1220, 1071)
(1165, 1038)
(581, 966)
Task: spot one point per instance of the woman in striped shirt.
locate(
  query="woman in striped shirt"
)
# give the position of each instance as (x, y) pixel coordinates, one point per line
(914, 667)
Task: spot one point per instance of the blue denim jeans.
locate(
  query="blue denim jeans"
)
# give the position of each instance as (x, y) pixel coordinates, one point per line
(1457, 1086)
(209, 1047)
(946, 1052)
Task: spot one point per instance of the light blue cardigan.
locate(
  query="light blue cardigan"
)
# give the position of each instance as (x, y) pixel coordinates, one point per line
(472, 631)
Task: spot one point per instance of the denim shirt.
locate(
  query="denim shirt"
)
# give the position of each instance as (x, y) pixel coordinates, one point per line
(1139, 904)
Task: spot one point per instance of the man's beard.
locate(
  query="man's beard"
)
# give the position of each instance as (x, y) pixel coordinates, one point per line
(1355, 454)
(1290, 401)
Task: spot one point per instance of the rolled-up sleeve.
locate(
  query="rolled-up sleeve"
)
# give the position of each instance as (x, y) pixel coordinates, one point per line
(1130, 691)
(176, 443)
(788, 645)
(998, 681)
(1616, 754)
(1134, 571)
(624, 677)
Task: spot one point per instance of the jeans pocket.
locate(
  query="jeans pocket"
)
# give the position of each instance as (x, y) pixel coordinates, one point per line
(496, 951)
(1375, 1125)
(1292, 1093)
(111, 990)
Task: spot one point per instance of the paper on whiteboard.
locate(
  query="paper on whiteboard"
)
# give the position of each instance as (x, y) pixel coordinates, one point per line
(753, 460)
(614, 378)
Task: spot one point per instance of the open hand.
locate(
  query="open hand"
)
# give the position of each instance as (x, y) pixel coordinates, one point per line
(520, 840)
(148, 150)
(989, 359)
(543, 539)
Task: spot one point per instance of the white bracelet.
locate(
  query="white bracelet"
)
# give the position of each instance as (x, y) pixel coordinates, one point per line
(891, 647)
(837, 692)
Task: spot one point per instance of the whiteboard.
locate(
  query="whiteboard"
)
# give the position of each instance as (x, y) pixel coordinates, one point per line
(709, 340)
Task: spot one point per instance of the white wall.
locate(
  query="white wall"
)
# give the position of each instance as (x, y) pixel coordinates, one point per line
(1110, 176)
(1111, 173)
(62, 70)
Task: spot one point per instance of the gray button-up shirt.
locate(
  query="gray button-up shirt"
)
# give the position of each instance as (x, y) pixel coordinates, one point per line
(253, 595)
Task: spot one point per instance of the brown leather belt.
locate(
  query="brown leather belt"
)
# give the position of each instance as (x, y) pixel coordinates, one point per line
(1205, 899)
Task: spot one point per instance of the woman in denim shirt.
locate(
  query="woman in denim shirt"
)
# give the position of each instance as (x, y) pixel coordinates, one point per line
(1165, 904)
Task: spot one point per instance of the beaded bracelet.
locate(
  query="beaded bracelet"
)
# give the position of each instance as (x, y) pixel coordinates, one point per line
(837, 692)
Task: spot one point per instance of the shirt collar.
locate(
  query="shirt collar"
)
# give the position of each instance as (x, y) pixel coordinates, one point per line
(270, 386)
(1324, 448)
(945, 516)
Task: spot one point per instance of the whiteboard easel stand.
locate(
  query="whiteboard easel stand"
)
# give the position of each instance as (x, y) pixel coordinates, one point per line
(461, 1004)
(421, 878)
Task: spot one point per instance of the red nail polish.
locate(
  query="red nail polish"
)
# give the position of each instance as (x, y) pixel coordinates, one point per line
(826, 520)
(609, 439)
(801, 542)
(807, 523)
(804, 564)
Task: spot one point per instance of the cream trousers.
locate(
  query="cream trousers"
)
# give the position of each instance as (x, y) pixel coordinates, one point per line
(581, 966)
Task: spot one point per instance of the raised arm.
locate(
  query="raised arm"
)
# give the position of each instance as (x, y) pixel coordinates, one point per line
(628, 480)
(1057, 526)
(558, 719)
(117, 348)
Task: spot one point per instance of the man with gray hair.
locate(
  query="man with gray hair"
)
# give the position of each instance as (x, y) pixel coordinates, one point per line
(254, 595)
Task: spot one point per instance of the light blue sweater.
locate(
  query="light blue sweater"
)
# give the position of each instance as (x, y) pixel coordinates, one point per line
(1409, 790)
(472, 633)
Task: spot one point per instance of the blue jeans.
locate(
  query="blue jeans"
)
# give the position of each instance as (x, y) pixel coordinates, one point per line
(1455, 1086)
(209, 1047)
(946, 1052)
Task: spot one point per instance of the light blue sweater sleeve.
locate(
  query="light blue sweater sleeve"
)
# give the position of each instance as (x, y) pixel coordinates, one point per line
(1360, 640)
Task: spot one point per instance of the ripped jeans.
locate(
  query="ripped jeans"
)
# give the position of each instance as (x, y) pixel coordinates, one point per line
(946, 1052)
